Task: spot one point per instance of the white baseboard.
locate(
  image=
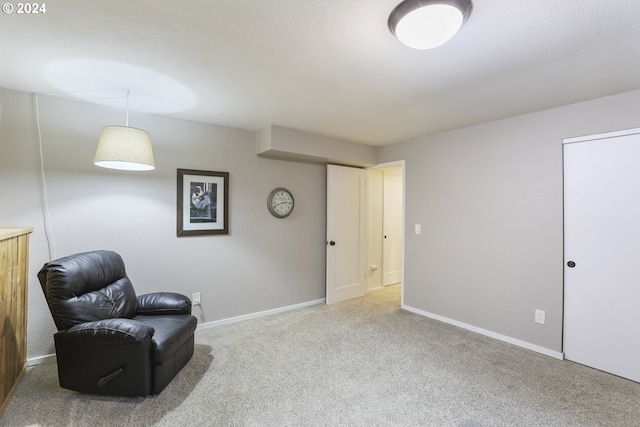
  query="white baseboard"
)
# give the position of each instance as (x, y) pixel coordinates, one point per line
(49, 358)
(392, 278)
(519, 343)
(258, 314)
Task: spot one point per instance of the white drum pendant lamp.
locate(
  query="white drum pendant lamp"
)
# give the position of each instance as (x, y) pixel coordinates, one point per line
(425, 24)
(125, 148)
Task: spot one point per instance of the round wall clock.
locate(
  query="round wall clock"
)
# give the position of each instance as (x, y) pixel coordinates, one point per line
(280, 202)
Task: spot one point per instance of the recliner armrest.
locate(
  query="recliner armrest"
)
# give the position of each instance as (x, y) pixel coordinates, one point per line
(163, 303)
(108, 331)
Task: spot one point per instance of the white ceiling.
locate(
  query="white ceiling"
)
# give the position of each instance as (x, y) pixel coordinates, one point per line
(329, 67)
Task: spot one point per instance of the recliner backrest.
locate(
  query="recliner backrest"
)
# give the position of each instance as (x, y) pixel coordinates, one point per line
(86, 287)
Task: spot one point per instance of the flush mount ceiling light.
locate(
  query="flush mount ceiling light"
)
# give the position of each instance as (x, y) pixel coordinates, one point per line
(124, 148)
(425, 24)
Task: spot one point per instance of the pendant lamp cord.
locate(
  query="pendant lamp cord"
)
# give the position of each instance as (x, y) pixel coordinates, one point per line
(48, 229)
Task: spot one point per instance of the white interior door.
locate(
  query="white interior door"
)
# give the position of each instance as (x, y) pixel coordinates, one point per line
(392, 227)
(345, 233)
(375, 201)
(602, 252)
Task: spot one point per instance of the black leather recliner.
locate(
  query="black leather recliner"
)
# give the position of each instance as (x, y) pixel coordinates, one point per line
(110, 341)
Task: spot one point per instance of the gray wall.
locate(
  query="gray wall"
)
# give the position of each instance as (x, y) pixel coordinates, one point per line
(489, 198)
(264, 263)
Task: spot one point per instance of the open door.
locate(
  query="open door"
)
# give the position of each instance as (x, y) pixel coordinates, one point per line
(392, 226)
(385, 225)
(345, 233)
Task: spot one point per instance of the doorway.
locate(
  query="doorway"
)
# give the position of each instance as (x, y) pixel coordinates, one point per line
(359, 258)
(385, 226)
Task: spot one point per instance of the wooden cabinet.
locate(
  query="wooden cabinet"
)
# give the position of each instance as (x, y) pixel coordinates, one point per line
(14, 265)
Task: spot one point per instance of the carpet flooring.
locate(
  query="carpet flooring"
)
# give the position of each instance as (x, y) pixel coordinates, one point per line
(363, 362)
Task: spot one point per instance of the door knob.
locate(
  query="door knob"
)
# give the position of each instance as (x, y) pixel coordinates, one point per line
(332, 243)
(571, 264)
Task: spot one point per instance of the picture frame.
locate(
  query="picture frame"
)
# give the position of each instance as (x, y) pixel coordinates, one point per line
(202, 202)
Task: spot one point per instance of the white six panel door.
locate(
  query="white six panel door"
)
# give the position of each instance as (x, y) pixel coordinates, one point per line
(602, 252)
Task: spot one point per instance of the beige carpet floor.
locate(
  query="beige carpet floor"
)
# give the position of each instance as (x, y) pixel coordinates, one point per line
(363, 362)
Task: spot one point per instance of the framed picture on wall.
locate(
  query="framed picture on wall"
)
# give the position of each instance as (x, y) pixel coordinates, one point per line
(202, 202)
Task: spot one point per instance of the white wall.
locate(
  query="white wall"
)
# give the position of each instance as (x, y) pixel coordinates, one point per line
(489, 198)
(264, 263)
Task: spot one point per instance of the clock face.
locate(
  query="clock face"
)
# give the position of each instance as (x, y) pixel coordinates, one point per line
(280, 202)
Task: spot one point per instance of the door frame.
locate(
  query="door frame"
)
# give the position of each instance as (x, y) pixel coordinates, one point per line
(401, 163)
(364, 249)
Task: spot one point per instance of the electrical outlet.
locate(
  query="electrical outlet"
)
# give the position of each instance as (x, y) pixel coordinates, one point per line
(195, 298)
(539, 317)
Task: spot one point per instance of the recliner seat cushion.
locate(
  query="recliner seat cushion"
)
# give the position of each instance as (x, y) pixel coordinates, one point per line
(171, 332)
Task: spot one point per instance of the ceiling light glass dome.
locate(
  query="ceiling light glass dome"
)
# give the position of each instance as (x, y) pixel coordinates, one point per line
(425, 24)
